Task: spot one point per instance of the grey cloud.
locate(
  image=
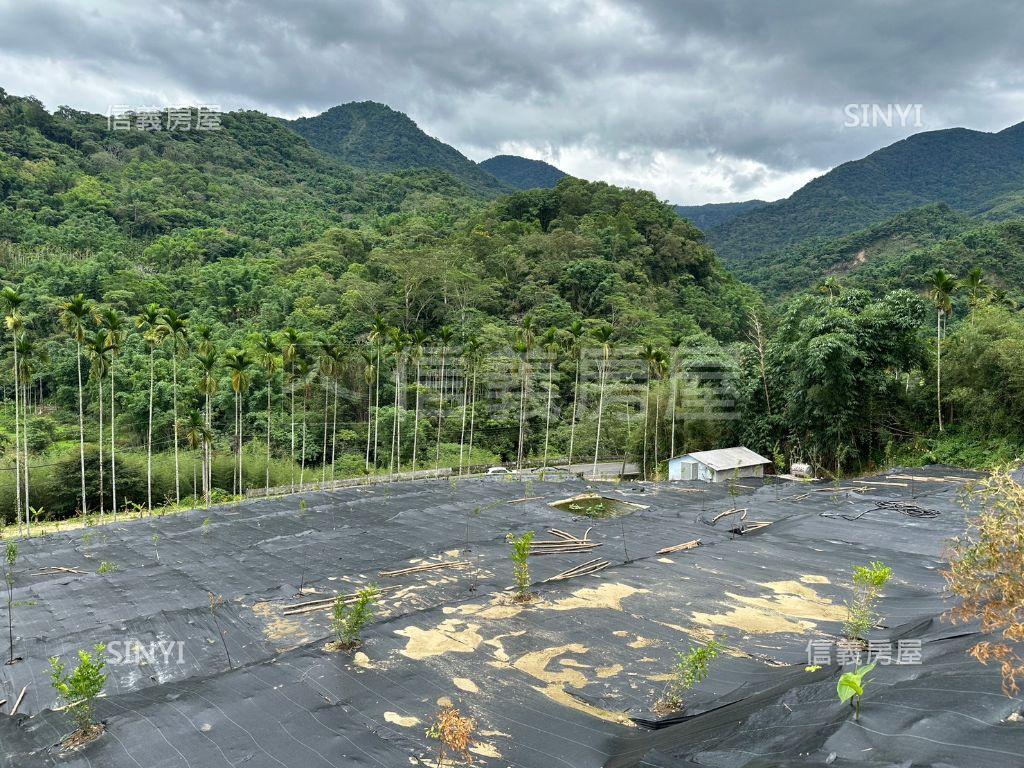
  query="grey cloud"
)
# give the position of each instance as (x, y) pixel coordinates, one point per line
(751, 90)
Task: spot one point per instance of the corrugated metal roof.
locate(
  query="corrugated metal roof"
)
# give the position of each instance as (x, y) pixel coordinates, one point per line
(728, 458)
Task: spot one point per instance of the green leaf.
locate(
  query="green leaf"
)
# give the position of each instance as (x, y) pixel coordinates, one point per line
(849, 685)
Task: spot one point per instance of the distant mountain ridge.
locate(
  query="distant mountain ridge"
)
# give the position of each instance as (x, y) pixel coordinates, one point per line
(971, 171)
(376, 137)
(710, 215)
(522, 172)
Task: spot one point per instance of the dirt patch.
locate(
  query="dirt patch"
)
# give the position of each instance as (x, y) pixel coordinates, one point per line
(280, 629)
(608, 595)
(81, 737)
(465, 684)
(597, 507)
(446, 637)
(789, 607)
(397, 719)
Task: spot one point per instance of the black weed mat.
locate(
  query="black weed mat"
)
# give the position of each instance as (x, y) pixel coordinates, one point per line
(563, 681)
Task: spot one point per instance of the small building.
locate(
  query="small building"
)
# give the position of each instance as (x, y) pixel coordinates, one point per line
(717, 466)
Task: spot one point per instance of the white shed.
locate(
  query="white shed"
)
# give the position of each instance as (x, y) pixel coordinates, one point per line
(717, 466)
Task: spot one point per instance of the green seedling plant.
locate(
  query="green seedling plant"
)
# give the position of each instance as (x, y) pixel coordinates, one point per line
(107, 567)
(861, 613)
(520, 563)
(348, 621)
(690, 669)
(79, 688)
(851, 687)
(10, 560)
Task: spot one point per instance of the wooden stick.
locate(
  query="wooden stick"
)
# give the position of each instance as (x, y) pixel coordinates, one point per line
(679, 547)
(329, 601)
(561, 534)
(581, 570)
(877, 482)
(727, 512)
(524, 499)
(420, 568)
(560, 551)
(14, 709)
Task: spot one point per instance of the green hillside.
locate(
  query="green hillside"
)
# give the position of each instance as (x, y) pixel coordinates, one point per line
(523, 173)
(901, 252)
(710, 215)
(971, 171)
(375, 137)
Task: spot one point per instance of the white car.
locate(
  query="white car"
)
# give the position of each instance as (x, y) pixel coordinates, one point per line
(499, 471)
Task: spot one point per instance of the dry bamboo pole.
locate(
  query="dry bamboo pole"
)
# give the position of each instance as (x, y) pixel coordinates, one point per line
(679, 547)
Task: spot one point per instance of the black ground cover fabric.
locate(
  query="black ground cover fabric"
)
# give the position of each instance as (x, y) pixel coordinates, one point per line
(554, 683)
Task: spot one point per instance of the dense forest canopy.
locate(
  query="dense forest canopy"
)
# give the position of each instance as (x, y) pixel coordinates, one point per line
(245, 310)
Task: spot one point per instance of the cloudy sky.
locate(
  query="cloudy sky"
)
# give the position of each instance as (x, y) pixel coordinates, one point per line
(700, 101)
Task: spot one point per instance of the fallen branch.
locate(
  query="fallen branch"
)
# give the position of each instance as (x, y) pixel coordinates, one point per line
(679, 547)
(421, 568)
(327, 602)
(728, 512)
(587, 568)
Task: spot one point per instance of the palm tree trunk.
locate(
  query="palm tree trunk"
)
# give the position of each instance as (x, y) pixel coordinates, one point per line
(174, 399)
(334, 429)
(241, 442)
(292, 377)
(208, 455)
(647, 419)
(369, 426)
(99, 385)
(416, 419)
(376, 410)
(81, 423)
(675, 396)
(657, 421)
(323, 452)
(25, 464)
(522, 417)
(440, 416)
(394, 428)
(113, 430)
(266, 487)
(149, 438)
(462, 433)
(302, 458)
(472, 416)
(17, 432)
(938, 365)
(575, 400)
(547, 418)
(600, 409)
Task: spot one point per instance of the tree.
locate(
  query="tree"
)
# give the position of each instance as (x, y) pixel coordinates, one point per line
(525, 335)
(348, 619)
(291, 350)
(28, 354)
(977, 287)
(175, 327)
(98, 349)
(552, 345)
(369, 372)
(648, 357)
(677, 344)
(575, 348)
(207, 357)
(603, 336)
(378, 334)
(149, 322)
(268, 350)
(197, 436)
(238, 363)
(115, 327)
(13, 299)
(80, 688)
(942, 287)
(73, 314)
(398, 345)
(444, 336)
(419, 342)
(472, 353)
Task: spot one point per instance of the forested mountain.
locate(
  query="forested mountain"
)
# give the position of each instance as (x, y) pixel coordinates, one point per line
(523, 173)
(710, 215)
(377, 138)
(971, 171)
(903, 251)
(246, 234)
